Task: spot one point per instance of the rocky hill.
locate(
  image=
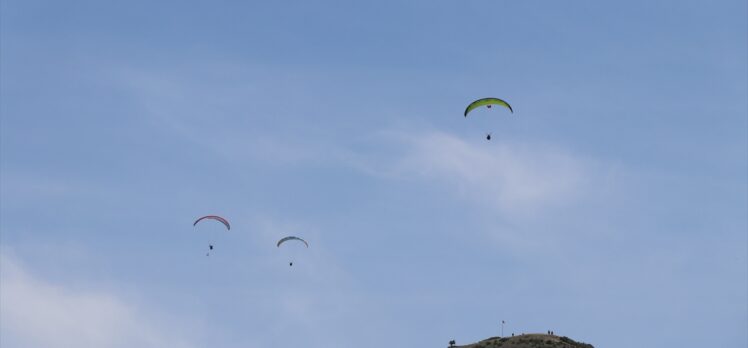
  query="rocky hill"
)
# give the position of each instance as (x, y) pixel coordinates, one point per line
(528, 341)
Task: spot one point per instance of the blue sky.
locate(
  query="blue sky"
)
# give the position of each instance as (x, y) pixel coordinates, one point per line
(611, 207)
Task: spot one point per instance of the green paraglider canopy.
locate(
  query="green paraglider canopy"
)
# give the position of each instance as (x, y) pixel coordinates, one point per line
(487, 102)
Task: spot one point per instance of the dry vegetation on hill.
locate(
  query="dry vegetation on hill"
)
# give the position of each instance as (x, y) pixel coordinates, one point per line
(528, 341)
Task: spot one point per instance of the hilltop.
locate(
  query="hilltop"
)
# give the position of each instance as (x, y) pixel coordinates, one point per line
(528, 341)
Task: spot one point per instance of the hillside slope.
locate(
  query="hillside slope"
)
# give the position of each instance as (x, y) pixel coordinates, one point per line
(528, 341)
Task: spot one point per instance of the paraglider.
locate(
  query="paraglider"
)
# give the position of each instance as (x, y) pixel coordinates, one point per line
(487, 102)
(290, 238)
(217, 218)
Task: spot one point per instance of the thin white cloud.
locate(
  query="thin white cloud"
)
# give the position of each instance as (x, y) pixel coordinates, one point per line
(233, 119)
(530, 197)
(39, 313)
(517, 179)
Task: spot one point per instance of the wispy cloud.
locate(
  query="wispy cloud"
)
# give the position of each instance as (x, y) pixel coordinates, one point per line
(240, 113)
(39, 313)
(530, 196)
(515, 178)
